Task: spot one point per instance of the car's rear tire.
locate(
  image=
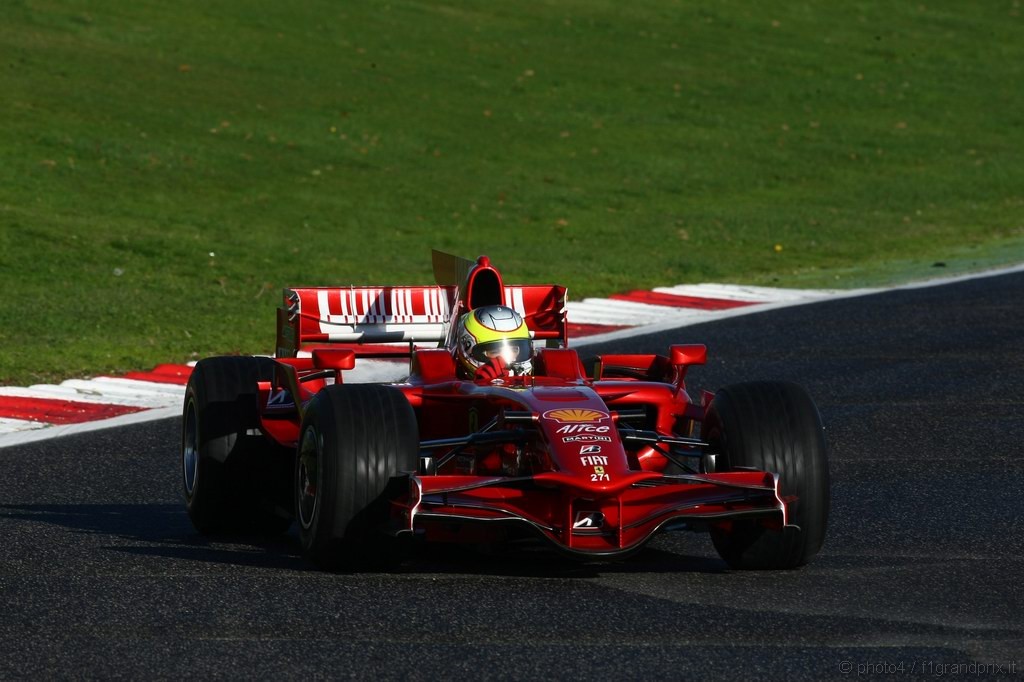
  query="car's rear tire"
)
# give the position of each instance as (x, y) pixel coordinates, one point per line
(354, 442)
(772, 426)
(228, 467)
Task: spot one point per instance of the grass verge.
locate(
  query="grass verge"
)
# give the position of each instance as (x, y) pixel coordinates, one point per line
(168, 168)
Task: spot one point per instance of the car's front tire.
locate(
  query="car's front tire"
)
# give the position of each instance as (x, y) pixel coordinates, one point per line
(354, 441)
(228, 470)
(775, 427)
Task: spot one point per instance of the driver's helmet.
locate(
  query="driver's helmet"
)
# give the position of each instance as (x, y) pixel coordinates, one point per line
(490, 331)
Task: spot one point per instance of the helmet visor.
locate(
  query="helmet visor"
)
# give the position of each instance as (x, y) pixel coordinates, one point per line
(511, 350)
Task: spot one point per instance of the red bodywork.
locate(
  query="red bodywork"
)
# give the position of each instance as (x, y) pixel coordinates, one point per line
(580, 460)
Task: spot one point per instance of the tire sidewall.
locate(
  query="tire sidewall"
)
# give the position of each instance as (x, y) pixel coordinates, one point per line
(204, 501)
(319, 531)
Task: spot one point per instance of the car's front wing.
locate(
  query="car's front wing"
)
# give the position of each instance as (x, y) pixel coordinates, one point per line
(582, 518)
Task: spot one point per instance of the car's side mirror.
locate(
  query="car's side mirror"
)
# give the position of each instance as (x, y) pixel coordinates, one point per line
(334, 358)
(688, 354)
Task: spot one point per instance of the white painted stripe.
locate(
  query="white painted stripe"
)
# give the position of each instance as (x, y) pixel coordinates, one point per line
(420, 332)
(143, 386)
(517, 301)
(435, 301)
(734, 292)
(323, 311)
(18, 425)
(427, 297)
(442, 303)
(398, 307)
(48, 432)
(627, 308)
(591, 314)
(619, 313)
(92, 387)
(133, 398)
(45, 392)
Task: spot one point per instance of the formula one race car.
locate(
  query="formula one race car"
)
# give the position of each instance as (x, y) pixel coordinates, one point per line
(596, 465)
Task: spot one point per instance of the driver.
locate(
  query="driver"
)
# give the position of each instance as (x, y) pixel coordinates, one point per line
(493, 342)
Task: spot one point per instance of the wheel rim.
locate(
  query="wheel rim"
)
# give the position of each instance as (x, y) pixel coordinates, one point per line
(190, 449)
(308, 478)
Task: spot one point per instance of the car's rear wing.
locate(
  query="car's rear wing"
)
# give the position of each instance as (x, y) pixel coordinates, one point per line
(360, 316)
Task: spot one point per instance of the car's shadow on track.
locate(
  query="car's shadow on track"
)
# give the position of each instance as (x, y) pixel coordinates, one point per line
(538, 560)
(163, 530)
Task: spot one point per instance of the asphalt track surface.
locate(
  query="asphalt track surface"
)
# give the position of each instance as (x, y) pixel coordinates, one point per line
(922, 393)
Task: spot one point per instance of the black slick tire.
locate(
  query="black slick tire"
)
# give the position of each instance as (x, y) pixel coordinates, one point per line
(772, 426)
(354, 443)
(228, 468)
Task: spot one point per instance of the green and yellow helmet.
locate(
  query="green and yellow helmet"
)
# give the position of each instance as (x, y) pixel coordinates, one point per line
(491, 331)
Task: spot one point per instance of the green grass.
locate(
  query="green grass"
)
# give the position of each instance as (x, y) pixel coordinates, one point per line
(602, 145)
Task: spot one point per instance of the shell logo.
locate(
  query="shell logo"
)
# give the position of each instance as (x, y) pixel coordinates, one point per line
(575, 415)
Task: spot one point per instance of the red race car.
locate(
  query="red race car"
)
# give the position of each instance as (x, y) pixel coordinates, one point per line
(498, 433)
